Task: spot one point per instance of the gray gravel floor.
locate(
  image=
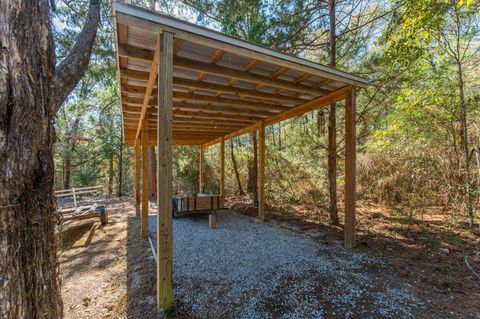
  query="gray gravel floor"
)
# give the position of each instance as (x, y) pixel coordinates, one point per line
(247, 270)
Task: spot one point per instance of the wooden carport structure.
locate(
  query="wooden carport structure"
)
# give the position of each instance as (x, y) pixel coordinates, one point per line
(182, 84)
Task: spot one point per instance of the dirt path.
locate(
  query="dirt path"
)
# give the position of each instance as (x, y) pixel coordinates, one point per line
(107, 271)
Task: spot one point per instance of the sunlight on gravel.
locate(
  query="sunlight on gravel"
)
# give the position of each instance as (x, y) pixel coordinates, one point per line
(247, 270)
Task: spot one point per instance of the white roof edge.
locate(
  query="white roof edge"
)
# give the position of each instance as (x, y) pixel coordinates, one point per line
(181, 25)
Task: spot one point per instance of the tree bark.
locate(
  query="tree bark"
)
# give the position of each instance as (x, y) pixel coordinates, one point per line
(120, 166)
(235, 168)
(464, 137)
(29, 98)
(152, 181)
(332, 126)
(67, 155)
(110, 175)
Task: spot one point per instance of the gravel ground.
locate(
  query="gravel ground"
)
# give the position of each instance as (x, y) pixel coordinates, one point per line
(247, 270)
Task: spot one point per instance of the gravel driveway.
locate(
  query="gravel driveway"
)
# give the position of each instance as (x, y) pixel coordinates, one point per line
(247, 270)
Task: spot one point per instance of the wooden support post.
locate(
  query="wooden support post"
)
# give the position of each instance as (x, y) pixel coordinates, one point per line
(201, 189)
(222, 166)
(145, 169)
(261, 171)
(350, 167)
(212, 220)
(165, 302)
(74, 197)
(136, 178)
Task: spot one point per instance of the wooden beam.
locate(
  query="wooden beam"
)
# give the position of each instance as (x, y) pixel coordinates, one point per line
(217, 109)
(201, 85)
(183, 125)
(134, 112)
(181, 96)
(180, 62)
(350, 168)
(296, 111)
(216, 122)
(222, 166)
(216, 56)
(136, 178)
(195, 118)
(216, 41)
(201, 188)
(122, 30)
(145, 169)
(216, 115)
(228, 101)
(261, 171)
(151, 81)
(164, 179)
(137, 53)
(246, 76)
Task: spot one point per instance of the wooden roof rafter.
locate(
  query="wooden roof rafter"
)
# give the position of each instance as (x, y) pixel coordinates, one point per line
(150, 84)
(222, 86)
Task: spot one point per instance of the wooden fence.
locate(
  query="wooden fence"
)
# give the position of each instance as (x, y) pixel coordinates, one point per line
(74, 192)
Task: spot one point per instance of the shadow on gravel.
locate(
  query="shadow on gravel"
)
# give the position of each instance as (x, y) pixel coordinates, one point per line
(141, 274)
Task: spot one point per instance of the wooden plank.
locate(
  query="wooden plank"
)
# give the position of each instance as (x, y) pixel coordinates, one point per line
(196, 120)
(222, 166)
(180, 96)
(130, 51)
(246, 76)
(296, 111)
(184, 63)
(228, 44)
(350, 168)
(216, 115)
(216, 56)
(201, 188)
(210, 126)
(261, 171)
(122, 30)
(145, 171)
(136, 184)
(151, 82)
(202, 85)
(164, 179)
(228, 101)
(215, 108)
(133, 112)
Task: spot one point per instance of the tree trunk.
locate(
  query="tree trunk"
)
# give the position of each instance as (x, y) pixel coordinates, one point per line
(152, 181)
(464, 137)
(110, 175)
(235, 168)
(69, 149)
(332, 125)
(31, 90)
(120, 166)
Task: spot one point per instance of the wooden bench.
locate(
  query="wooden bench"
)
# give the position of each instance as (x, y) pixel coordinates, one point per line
(99, 211)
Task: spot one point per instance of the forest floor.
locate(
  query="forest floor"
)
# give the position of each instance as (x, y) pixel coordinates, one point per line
(429, 251)
(109, 271)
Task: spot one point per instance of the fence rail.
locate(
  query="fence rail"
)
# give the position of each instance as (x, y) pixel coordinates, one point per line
(74, 192)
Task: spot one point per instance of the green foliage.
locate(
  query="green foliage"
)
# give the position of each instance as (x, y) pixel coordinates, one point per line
(419, 56)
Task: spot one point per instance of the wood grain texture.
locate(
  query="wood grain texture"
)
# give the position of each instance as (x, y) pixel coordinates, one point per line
(350, 168)
(222, 166)
(261, 171)
(136, 179)
(164, 178)
(145, 169)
